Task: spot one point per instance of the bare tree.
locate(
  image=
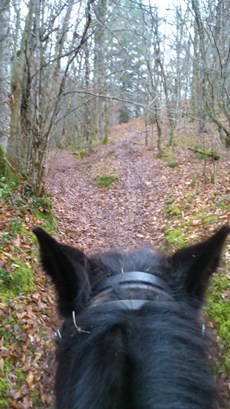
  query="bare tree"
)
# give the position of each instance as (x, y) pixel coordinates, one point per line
(78, 65)
(4, 74)
(212, 56)
(50, 43)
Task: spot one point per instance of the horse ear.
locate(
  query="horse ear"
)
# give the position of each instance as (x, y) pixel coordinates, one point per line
(67, 267)
(197, 263)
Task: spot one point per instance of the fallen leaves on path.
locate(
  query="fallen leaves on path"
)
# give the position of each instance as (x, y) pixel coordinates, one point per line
(134, 211)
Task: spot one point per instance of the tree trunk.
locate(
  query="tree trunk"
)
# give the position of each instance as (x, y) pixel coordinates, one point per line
(4, 74)
(19, 70)
(99, 70)
(201, 88)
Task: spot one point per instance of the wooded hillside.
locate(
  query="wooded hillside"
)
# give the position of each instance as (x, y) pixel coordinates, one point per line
(119, 111)
(71, 68)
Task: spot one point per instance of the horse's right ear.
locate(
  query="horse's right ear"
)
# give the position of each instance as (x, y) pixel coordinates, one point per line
(199, 262)
(67, 267)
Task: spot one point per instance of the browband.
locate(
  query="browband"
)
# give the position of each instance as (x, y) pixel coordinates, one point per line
(134, 277)
(125, 304)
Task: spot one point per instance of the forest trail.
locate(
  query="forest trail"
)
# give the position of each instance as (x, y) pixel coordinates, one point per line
(132, 212)
(148, 200)
(175, 200)
(127, 214)
(150, 203)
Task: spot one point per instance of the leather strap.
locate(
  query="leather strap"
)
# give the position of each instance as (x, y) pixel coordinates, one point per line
(134, 277)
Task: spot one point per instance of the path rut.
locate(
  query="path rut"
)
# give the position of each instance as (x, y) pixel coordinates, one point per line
(128, 214)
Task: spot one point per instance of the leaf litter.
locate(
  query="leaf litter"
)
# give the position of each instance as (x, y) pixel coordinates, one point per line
(131, 213)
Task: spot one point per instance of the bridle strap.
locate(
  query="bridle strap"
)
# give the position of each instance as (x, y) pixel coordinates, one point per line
(134, 280)
(131, 280)
(137, 278)
(125, 304)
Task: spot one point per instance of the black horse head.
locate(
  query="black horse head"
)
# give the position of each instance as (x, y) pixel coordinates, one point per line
(132, 336)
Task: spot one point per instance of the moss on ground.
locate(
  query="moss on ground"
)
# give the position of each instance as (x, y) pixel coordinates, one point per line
(218, 309)
(105, 181)
(4, 385)
(174, 237)
(22, 211)
(177, 233)
(172, 164)
(172, 210)
(16, 241)
(5, 171)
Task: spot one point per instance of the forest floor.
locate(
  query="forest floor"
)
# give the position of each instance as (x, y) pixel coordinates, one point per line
(166, 202)
(147, 192)
(129, 212)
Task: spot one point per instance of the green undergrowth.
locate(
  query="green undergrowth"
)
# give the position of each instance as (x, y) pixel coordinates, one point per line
(205, 153)
(5, 170)
(183, 218)
(23, 211)
(17, 280)
(79, 148)
(105, 181)
(172, 164)
(164, 155)
(4, 386)
(167, 155)
(82, 153)
(7, 185)
(174, 237)
(8, 181)
(20, 211)
(218, 309)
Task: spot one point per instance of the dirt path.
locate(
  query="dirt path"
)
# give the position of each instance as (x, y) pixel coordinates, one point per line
(149, 203)
(132, 211)
(127, 214)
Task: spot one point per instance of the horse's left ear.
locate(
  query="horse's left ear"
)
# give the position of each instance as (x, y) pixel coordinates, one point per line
(197, 263)
(67, 266)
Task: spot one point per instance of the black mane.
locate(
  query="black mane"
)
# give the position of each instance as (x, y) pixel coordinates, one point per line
(155, 357)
